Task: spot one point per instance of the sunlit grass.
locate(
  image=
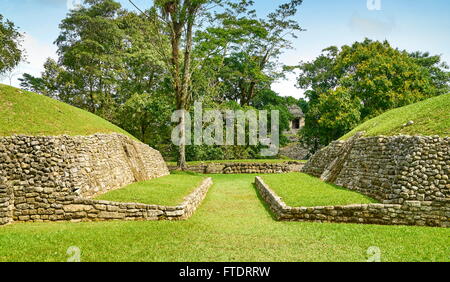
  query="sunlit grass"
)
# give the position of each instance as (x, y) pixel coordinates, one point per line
(232, 224)
(430, 117)
(302, 190)
(27, 113)
(168, 190)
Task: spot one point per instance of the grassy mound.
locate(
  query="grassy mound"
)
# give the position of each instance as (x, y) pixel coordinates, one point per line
(168, 190)
(302, 190)
(430, 117)
(27, 113)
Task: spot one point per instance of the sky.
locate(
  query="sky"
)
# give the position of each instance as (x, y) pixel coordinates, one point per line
(414, 25)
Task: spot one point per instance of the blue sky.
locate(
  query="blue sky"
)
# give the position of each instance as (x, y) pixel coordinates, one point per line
(422, 25)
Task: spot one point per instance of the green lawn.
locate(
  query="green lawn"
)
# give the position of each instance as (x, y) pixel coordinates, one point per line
(271, 161)
(431, 117)
(168, 190)
(27, 113)
(302, 190)
(232, 224)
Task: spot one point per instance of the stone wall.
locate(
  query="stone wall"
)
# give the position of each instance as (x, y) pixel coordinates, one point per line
(46, 173)
(246, 168)
(82, 209)
(425, 213)
(392, 170)
(296, 151)
(6, 202)
(317, 164)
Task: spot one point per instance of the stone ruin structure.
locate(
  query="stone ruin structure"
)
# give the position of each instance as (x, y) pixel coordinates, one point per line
(47, 178)
(295, 150)
(298, 122)
(408, 174)
(243, 167)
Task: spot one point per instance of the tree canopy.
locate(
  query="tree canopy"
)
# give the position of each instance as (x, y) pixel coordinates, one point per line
(349, 85)
(123, 65)
(10, 45)
(134, 68)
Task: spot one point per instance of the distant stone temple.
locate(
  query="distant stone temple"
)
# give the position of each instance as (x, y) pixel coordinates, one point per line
(299, 120)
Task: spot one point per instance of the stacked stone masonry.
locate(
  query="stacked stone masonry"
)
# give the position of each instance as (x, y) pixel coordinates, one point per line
(408, 172)
(81, 209)
(392, 169)
(244, 168)
(6, 202)
(410, 213)
(40, 176)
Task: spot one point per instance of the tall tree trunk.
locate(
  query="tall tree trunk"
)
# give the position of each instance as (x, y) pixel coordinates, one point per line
(182, 148)
(185, 82)
(177, 29)
(182, 75)
(248, 95)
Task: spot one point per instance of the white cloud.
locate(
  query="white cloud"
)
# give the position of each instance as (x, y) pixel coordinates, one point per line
(287, 87)
(37, 53)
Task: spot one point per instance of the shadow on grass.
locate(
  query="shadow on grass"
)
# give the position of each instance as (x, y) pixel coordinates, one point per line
(180, 172)
(368, 198)
(264, 203)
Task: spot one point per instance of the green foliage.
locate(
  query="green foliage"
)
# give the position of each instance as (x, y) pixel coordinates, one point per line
(89, 46)
(167, 190)
(271, 161)
(109, 66)
(219, 152)
(244, 49)
(28, 113)
(106, 56)
(302, 190)
(10, 46)
(231, 225)
(358, 82)
(32, 84)
(205, 153)
(52, 83)
(333, 115)
(269, 100)
(147, 117)
(129, 69)
(431, 117)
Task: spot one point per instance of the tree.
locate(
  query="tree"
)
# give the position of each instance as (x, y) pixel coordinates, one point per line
(147, 116)
(10, 74)
(270, 100)
(106, 55)
(179, 17)
(110, 57)
(265, 50)
(89, 46)
(349, 85)
(258, 43)
(250, 48)
(32, 83)
(10, 46)
(54, 82)
(436, 68)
